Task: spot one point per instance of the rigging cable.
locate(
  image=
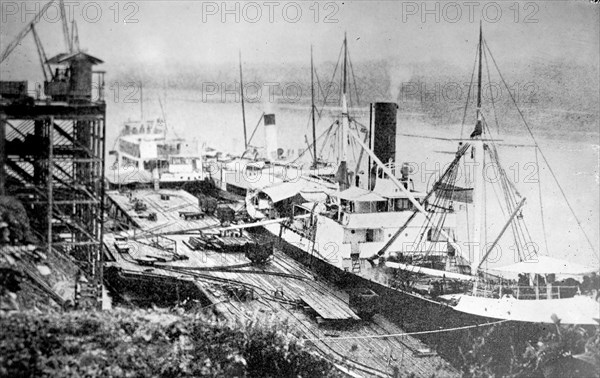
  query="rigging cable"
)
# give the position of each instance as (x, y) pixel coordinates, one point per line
(320, 90)
(409, 333)
(329, 86)
(337, 125)
(434, 233)
(324, 133)
(521, 237)
(511, 194)
(462, 126)
(504, 214)
(540, 199)
(487, 66)
(484, 195)
(469, 183)
(545, 159)
(329, 92)
(511, 199)
(353, 79)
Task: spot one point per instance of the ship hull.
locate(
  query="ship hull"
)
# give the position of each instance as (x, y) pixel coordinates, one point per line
(448, 311)
(437, 324)
(413, 312)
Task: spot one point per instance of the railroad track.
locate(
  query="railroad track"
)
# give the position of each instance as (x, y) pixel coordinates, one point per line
(326, 350)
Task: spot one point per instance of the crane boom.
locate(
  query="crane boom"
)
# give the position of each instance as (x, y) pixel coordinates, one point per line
(65, 26)
(74, 37)
(41, 53)
(15, 42)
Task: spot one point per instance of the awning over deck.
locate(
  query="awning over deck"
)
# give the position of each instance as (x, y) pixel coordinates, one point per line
(309, 190)
(283, 191)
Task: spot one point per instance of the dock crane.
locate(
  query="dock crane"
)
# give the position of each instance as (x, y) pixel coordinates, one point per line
(71, 37)
(68, 76)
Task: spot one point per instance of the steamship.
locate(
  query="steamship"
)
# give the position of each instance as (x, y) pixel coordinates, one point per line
(358, 237)
(259, 168)
(144, 154)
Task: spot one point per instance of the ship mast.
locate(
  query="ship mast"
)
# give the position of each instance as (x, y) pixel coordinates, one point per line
(479, 73)
(344, 104)
(312, 108)
(342, 173)
(478, 170)
(243, 109)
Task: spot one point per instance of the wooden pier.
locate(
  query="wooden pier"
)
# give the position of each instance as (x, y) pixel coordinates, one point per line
(328, 309)
(168, 205)
(236, 289)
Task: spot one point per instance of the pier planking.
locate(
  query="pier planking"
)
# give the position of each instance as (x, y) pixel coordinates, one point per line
(283, 290)
(167, 212)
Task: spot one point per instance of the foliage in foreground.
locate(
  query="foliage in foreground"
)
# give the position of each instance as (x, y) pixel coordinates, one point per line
(149, 343)
(561, 351)
(13, 213)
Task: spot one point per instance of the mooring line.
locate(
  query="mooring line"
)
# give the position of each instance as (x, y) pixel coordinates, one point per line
(408, 333)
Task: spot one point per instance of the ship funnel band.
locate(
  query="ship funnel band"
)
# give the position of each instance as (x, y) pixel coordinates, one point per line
(269, 119)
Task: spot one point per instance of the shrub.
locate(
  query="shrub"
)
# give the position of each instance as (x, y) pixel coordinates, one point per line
(149, 343)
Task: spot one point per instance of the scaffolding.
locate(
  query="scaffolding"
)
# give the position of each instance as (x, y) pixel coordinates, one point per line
(52, 160)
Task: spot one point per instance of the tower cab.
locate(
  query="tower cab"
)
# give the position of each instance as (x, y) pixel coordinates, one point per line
(72, 78)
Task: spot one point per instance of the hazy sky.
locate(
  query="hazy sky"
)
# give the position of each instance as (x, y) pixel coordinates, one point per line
(132, 34)
(196, 32)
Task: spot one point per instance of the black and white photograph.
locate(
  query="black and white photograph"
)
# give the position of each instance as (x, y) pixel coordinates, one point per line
(300, 188)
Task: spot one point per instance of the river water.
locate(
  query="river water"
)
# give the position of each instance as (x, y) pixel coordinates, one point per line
(574, 160)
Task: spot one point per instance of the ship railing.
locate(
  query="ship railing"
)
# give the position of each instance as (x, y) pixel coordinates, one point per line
(525, 292)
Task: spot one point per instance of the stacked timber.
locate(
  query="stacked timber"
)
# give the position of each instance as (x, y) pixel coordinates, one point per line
(230, 244)
(222, 243)
(191, 215)
(196, 244)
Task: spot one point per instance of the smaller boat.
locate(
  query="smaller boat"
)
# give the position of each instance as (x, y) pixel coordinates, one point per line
(145, 155)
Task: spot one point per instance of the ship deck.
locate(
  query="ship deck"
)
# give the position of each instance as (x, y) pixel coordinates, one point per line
(281, 290)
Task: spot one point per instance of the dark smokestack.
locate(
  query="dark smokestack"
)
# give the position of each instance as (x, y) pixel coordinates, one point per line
(269, 119)
(384, 131)
(271, 136)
